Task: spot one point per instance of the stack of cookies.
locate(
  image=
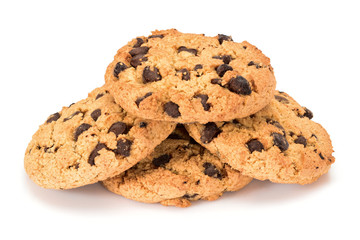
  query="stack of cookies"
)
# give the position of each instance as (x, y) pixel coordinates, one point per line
(181, 117)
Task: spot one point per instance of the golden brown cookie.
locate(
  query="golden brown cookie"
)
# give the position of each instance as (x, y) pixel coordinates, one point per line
(90, 141)
(173, 76)
(279, 143)
(176, 173)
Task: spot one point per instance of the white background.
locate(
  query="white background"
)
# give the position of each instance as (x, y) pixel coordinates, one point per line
(53, 54)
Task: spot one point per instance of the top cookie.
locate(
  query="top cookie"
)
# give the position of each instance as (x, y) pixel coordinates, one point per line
(172, 76)
(279, 143)
(90, 141)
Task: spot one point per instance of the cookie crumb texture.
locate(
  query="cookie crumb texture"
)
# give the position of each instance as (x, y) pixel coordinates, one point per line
(172, 76)
(279, 143)
(90, 141)
(175, 174)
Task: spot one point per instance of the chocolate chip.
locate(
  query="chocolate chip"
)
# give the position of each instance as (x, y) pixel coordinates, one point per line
(140, 99)
(71, 104)
(244, 47)
(139, 42)
(313, 135)
(216, 81)
(301, 140)
(119, 67)
(222, 69)
(162, 160)
(225, 58)
(95, 153)
(321, 156)
(119, 128)
(172, 109)
(251, 63)
(96, 114)
(99, 96)
(211, 171)
(138, 60)
(197, 67)
(281, 99)
(254, 145)
(276, 124)
(204, 98)
(157, 36)
(239, 85)
(280, 141)
(82, 128)
(197, 182)
(53, 117)
(142, 124)
(308, 113)
(123, 147)
(47, 149)
(187, 196)
(139, 50)
(151, 76)
(190, 50)
(71, 116)
(185, 74)
(222, 38)
(210, 132)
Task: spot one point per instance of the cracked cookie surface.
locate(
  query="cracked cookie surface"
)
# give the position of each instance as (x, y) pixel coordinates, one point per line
(279, 143)
(90, 141)
(172, 76)
(176, 173)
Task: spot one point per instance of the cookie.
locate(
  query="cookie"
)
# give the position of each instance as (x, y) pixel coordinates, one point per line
(176, 173)
(172, 76)
(279, 143)
(90, 141)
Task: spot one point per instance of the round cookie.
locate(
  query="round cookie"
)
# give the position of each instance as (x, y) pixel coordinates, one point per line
(176, 173)
(172, 76)
(279, 143)
(90, 141)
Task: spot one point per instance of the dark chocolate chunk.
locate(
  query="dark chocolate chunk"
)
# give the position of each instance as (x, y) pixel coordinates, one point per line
(71, 104)
(162, 160)
(239, 85)
(151, 76)
(321, 156)
(96, 114)
(95, 153)
(276, 124)
(99, 96)
(244, 47)
(216, 81)
(251, 63)
(204, 98)
(210, 132)
(281, 99)
(71, 116)
(139, 42)
(197, 67)
(172, 109)
(119, 128)
(185, 74)
(139, 50)
(222, 38)
(157, 36)
(222, 69)
(255, 145)
(190, 50)
(53, 117)
(313, 135)
(197, 182)
(211, 171)
(143, 124)
(225, 58)
(308, 113)
(140, 99)
(82, 128)
(280, 141)
(123, 147)
(187, 196)
(301, 140)
(138, 60)
(119, 67)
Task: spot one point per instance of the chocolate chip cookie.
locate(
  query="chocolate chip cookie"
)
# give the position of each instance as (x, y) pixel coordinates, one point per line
(280, 143)
(176, 173)
(90, 141)
(172, 76)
